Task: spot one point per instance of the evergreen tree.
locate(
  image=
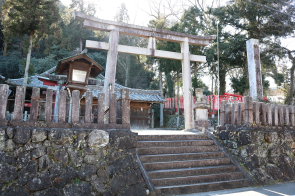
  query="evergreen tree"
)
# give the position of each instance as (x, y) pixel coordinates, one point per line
(35, 18)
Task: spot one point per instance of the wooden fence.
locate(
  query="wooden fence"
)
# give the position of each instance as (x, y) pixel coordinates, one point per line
(61, 120)
(256, 113)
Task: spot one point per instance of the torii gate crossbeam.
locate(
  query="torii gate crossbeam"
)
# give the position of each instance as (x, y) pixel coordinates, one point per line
(113, 48)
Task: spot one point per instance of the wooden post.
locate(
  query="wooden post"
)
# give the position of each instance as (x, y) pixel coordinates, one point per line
(88, 107)
(110, 73)
(240, 113)
(256, 106)
(286, 111)
(281, 115)
(62, 106)
(222, 113)
(75, 106)
(18, 103)
(248, 113)
(291, 109)
(234, 113)
(113, 108)
(275, 114)
(125, 106)
(3, 100)
(48, 106)
(34, 104)
(263, 113)
(100, 108)
(228, 113)
(269, 113)
(153, 119)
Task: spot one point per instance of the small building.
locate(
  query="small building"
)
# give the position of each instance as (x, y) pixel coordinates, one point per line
(140, 100)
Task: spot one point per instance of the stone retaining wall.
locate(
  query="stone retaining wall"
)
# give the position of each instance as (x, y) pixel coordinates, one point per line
(53, 162)
(266, 153)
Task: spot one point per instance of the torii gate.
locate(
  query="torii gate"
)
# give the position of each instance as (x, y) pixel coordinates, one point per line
(152, 34)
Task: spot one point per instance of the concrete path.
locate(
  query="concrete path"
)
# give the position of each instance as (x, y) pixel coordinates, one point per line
(163, 132)
(287, 189)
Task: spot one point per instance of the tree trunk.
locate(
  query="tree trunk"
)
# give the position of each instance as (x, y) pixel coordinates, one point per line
(222, 82)
(28, 63)
(80, 44)
(290, 94)
(196, 69)
(5, 48)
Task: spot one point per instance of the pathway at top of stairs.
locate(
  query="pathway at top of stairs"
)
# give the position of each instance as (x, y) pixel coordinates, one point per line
(187, 163)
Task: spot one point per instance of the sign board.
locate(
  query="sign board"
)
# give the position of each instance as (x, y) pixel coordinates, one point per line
(27, 105)
(79, 75)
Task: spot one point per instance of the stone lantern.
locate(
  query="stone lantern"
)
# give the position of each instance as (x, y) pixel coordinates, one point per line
(201, 108)
(78, 70)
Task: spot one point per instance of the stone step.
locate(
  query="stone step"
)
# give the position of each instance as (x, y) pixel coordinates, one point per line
(201, 187)
(180, 157)
(186, 164)
(172, 137)
(194, 171)
(177, 150)
(175, 143)
(197, 179)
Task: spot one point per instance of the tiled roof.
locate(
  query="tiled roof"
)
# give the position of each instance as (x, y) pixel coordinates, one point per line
(33, 81)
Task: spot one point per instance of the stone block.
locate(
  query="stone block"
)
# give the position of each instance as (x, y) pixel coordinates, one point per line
(55, 170)
(132, 177)
(10, 132)
(223, 135)
(61, 155)
(274, 172)
(2, 139)
(257, 137)
(262, 177)
(98, 139)
(23, 160)
(67, 175)
(271, 137)
(134, 190)
(45, 163)
(86, 170)
(15, 189)
(91, 159)
(6, 158)
(97, 184)
(39, 135)
(22, 135)
(18, 152)
(123, 139)
(61, 137)
(244, 138)
(286, 149)
(7, 173)
(38, 152)
(49, 192)
(75, 157)
(75, 189)
(102, 175)
(27, 173)
(40, 182)
(117, 184)
(9, 145)
(261, 152)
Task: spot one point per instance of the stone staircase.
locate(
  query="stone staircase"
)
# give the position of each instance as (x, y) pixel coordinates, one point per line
(183, 164)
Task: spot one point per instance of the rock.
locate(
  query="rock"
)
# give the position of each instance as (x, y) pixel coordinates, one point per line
(287, 136)
(244, 153)
(42, 181)
(79, 189)
(261, 152)
(286, 149)
(27, 173)
(257, 137)
(254, 162)
(45, 163)
(134, 190)
(10, 145)
(56, 170)
(232, 144)
(262, 177)
(8, 159)
(61, 155)
(47, 143)
(2, 139)
(39, 152)
(87, 151)
(18, 152)
(287, 171)
(108, 193)
(117, 184)
(22, 135)
(273, 159)
(274, 172)
(39, 135)
(132, 177)
(98, 139)
(244, 138)
(91, 159)
(123, 139)
(80, 139)
(97, 184)
(102, 175)
(120, 165)
(68, 174)
(49, 192)
(7, 173)
(23, 160)
(10, 132)
(86, 170)
(271, 137)
(31, 146)
(223, 135)
(16, 190)
(75, 156)
(61, 137)
(233, 135)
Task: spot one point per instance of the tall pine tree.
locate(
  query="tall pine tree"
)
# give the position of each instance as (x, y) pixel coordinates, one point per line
(35, 18)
